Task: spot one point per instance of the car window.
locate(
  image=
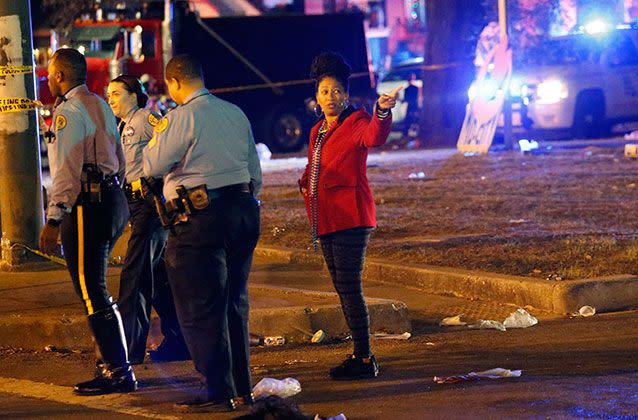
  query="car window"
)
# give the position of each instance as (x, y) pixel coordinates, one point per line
(622, 51)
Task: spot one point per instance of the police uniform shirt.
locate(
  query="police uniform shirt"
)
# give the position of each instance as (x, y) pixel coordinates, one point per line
(137, 130)
(204, 141)
(85, 131)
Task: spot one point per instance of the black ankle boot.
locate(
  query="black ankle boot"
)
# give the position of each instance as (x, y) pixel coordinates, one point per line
(108, 381)
(356, 368)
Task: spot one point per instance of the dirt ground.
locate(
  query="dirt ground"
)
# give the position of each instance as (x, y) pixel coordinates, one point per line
(567, 213)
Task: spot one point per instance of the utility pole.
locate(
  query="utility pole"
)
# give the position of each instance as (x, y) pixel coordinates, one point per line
(21, 205)
(507, 104)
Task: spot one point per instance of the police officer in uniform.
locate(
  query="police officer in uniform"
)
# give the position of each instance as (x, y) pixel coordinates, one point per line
(143, 281)
(206, 153)
(88, 208)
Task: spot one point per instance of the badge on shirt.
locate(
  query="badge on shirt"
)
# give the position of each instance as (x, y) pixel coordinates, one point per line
(152, 120)
(60, 122)
(129, 132)
(161, 125)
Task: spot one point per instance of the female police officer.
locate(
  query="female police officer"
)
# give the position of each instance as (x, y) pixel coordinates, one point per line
(143, 280)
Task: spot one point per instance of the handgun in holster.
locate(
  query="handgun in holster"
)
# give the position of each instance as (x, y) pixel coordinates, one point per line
(91, 184)
(182, 195)
(152, 189)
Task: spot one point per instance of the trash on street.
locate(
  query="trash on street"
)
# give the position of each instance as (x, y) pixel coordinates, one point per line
(520, 319)
(452, 321)
(487, 324)
(586, 311)
(517, 319)
(496, 373)
(282, 388)
(384, 336)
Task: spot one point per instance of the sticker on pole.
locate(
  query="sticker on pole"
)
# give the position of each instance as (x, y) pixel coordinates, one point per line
(13, 94)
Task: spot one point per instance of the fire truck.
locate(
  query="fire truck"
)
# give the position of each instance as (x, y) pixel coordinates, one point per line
(260, 63)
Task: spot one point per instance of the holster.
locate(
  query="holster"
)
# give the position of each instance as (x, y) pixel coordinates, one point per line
(91, 184)
(186, 203)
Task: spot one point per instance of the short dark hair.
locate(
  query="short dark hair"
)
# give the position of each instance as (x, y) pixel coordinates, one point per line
(71, 63)
(184, 67)
(133, 85)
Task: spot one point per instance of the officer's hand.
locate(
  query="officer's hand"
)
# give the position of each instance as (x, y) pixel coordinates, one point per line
(389, 100)
(49, 238)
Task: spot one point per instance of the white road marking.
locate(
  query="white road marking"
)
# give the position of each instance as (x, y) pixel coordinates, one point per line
(119, 403)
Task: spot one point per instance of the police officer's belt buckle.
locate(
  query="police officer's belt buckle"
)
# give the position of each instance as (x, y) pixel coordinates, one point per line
(198, 197)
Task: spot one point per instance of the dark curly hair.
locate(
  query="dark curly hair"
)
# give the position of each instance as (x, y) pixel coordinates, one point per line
(330, 64)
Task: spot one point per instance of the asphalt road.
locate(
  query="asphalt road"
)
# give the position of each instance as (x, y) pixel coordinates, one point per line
(571, 368)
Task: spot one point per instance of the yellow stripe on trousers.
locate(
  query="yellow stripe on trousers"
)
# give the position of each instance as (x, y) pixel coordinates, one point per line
(85, 294)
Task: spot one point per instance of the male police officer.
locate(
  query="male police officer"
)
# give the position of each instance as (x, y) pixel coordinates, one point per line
(206, 153)
(88, 206)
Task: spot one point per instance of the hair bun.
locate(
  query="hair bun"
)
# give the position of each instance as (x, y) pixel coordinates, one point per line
(329, 63)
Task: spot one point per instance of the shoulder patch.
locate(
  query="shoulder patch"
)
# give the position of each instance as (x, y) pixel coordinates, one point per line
(152, 119)
(60, 122)
(161, 125)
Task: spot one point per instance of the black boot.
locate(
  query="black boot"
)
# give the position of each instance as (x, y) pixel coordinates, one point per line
(356, 368)
(110, 381)
(115, 374)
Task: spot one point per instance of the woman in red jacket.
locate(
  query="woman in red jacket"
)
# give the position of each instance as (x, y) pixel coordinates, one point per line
(339, 200)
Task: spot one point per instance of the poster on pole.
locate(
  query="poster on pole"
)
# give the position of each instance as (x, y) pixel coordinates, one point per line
(485, 107)
(14, 103)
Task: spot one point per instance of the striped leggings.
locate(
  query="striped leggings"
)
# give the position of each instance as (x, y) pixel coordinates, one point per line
(344, 252)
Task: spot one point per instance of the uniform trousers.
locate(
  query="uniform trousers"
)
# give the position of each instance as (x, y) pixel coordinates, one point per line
(208, 259)
(144, 282)
(88, 235)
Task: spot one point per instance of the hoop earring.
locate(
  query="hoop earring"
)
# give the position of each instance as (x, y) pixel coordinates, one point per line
(318, 111)
(345, 104)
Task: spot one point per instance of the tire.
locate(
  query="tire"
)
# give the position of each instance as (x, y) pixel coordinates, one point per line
(283, 130)
(589, 116)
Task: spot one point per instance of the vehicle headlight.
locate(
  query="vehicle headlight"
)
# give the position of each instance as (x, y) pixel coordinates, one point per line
(471, 92)
(551, 92)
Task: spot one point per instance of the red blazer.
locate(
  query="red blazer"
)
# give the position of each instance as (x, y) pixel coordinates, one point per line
(344, 198)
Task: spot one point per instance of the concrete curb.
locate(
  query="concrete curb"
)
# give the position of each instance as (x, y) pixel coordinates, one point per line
(295, 323)
(606, 294)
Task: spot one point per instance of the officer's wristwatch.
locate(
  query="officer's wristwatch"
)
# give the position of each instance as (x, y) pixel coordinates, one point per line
(53, 222)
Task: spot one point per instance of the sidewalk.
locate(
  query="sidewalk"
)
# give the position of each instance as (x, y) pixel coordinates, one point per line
(606, 294)
(40, 308)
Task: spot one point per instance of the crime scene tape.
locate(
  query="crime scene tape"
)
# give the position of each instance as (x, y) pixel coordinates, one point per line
(276, 85)
(49, 257)
(18, 104)
(13, 70)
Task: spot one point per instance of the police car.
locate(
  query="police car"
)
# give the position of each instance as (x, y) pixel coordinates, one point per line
(399, 76)
(578, 84)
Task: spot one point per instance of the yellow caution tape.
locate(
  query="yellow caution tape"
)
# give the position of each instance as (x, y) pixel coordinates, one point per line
(49, 257)
(13, 70)
(18, 104)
